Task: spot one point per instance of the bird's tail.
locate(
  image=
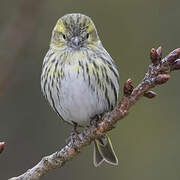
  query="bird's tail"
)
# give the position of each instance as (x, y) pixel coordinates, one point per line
(103, 151)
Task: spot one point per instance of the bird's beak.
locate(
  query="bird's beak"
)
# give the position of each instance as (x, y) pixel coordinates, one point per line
(76, 41)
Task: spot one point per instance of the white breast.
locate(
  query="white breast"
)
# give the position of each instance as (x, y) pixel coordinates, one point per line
(77, 102)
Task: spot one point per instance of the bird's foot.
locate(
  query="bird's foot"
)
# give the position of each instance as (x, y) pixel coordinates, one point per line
(97, 118)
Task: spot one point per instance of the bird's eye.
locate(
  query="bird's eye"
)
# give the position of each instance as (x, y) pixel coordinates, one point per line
(64, 36)
(87, 35)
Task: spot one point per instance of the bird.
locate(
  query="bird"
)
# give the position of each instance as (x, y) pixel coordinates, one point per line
(79, 78)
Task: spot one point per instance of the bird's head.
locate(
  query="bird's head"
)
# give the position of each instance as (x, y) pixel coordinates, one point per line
(74, 31)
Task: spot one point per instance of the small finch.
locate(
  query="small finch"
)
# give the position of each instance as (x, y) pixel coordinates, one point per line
(79, 78)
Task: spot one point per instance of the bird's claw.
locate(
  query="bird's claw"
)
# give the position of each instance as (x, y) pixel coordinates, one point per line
(97, 118)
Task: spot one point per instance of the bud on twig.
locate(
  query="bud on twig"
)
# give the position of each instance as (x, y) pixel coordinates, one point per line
(150, 94)
(173, 56)
(176, 65)
(2, 144)
(159, 52)
(156, 56)
(162, 78)
(128, 87)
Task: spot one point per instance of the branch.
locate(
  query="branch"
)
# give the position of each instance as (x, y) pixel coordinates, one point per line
(158, 73)
(2, 145)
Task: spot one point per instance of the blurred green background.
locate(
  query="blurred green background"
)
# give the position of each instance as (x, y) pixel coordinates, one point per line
(146, 142)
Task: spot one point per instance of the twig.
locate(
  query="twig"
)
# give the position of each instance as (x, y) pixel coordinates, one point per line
(2, 145)
(158, 73)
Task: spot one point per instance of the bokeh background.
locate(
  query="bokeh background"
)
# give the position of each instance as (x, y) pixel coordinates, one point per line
(146, 142)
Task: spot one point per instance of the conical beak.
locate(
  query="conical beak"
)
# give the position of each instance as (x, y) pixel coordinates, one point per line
(76, 41)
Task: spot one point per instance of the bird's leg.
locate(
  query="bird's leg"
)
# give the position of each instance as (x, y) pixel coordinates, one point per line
(74, 129)
(74, 136)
